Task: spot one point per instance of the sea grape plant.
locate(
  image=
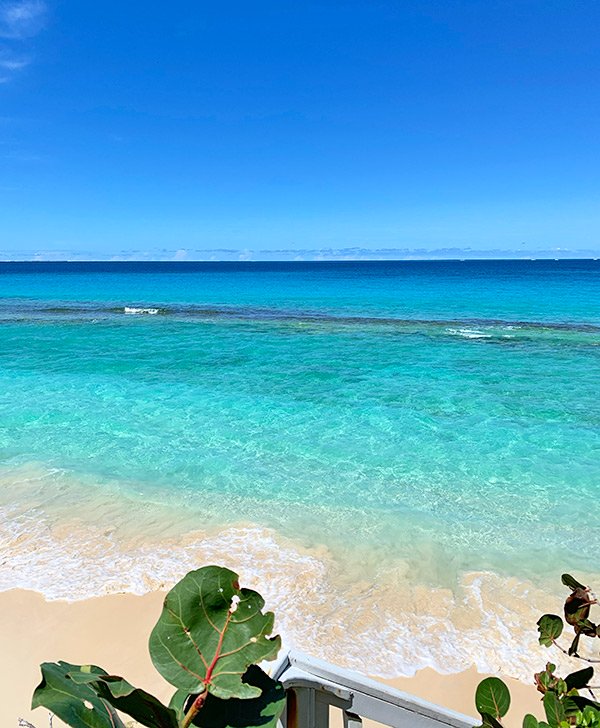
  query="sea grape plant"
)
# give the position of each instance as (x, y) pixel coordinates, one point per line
(564, 705)
(206, 643)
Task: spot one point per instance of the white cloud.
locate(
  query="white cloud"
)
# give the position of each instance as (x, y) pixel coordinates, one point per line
(12, 64)
(21, 19)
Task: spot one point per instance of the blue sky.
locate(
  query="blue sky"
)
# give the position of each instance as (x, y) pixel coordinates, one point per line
(197, 130)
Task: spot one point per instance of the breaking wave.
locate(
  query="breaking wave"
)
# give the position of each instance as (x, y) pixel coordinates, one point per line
(130, 310)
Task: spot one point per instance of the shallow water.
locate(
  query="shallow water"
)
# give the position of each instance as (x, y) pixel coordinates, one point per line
(386, 442)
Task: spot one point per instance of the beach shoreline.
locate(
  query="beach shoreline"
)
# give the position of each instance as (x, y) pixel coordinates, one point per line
(112, 631)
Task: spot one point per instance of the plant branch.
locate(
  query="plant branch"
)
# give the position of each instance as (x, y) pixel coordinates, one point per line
(193, 711)
(199, 702)
(562, 649)
(579, 657)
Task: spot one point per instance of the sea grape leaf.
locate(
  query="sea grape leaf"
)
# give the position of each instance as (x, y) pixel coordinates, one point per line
(574, 645)
(555, 712)
(488, 721)
(582, 702)
(589, 718)
(550, 627)
(492, 697)
(209, 632)
(587, 627)
(143, 707)
(530, 721)
(577, 606)
(263, 711)
(579, 679)
(179, 702)
(578, 704)
(76, 704)
(546, 680)
(570, 706)
(572, 583)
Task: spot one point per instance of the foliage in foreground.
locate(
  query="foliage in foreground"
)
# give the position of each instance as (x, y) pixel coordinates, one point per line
(563, 703)
(206, 643)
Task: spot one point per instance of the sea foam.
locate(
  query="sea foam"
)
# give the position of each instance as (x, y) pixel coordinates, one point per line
(390, 623)
(141, 311)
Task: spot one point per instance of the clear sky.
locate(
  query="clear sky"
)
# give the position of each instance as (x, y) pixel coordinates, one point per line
(299, 129)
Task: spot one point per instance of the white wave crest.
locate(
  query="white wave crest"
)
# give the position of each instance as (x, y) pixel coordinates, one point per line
(136, 311)
(469, 333)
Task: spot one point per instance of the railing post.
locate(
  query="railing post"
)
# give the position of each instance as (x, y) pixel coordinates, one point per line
(321, 711)
(306, 709)
(351, 720)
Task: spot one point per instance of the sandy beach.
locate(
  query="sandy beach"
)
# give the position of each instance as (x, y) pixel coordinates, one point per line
(112, 632)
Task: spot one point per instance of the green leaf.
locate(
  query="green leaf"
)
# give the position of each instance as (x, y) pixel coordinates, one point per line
(574, 645)
(530, 721)
(581, 702)
(263, 711)
(138, 704)
(588, 718)
(550, 627)
(585, 626)
(579, 679)
(546, 680)
(492, 697)
(570, 706)
(572, 583)
(76, 704)
(178, 703)
(488, 721)
(203, 639)
(554, 710)
(577, 607)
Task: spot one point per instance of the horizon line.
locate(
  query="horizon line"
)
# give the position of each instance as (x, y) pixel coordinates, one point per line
(291, 261)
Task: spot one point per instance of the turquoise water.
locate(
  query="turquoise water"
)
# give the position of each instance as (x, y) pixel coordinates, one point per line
(441, 416)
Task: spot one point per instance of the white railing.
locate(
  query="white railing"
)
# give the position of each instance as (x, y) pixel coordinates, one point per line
(314, 686)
